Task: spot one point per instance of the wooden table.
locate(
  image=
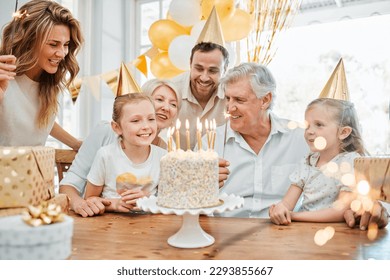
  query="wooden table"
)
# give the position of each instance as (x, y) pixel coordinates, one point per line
(114, 236)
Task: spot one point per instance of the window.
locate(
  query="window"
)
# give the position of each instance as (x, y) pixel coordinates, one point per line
(147, 13)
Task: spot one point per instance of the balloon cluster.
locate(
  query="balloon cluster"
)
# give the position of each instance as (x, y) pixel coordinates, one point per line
(176, 35)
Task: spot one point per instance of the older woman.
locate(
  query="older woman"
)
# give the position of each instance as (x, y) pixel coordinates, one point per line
(167, 105)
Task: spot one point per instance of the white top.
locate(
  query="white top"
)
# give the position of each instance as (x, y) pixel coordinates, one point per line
(321, 186)
(100, 136)
(111, 161)
(261, 179)
(191, 109)
(18, 115)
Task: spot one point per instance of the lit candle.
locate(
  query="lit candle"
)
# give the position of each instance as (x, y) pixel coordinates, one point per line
(188, 135)
(199, 134)
(227, 115)
(206, 125)
(169, 139)
(213, 134)
(178, 124)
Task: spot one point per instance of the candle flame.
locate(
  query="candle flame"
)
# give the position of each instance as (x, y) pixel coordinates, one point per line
(226, 115)
(187, 124)
(206, 124)
(178, 124)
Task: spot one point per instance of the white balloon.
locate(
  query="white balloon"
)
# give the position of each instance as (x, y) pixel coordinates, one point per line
(179, 51)
(197, 29)
(186, 12)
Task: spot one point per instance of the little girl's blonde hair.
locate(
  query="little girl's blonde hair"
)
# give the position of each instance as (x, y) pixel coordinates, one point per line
(344, 114)
(122, 100)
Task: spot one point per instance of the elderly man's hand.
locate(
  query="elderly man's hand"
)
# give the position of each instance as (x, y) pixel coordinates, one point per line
(223, 171)
(378, 215)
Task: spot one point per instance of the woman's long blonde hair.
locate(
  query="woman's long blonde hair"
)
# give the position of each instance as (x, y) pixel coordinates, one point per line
(30, 33)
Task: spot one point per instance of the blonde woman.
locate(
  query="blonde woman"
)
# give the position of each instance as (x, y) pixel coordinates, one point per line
(37, 61)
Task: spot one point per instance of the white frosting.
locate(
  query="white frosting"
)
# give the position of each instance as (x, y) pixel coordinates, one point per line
(188, 179)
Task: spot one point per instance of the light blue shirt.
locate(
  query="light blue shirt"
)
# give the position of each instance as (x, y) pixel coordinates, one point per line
(76, 176)
(261, 179)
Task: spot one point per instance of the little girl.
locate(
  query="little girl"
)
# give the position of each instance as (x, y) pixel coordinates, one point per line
(134, 121)
(319, 177)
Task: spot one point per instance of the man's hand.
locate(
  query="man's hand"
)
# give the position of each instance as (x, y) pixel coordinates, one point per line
(223, 171)
(378, 215)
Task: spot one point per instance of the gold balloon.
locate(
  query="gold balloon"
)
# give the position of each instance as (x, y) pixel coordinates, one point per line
(237, 27)
(225, 8)
(162, 67)
(163, 31)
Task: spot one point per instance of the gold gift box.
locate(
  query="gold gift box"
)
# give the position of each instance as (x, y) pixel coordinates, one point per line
(26, 175)
(60, 199)
(376, 171)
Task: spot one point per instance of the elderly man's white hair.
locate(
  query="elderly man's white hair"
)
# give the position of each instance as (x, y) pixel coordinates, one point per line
(261, 79)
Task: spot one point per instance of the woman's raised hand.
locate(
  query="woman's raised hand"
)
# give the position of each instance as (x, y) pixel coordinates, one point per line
(7, 72)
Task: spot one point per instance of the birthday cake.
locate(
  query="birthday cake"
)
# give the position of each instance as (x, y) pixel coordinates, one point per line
(188, 180)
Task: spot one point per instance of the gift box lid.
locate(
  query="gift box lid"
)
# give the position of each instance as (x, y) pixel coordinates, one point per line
(15, 232)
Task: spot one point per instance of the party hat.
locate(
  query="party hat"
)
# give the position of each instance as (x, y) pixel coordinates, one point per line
(212, 31)
(74, 88)
(126, 82)
(336, 87)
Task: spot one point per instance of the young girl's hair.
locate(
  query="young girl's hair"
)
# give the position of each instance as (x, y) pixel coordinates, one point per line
(344, 115)
(122, 100)
(25, 36)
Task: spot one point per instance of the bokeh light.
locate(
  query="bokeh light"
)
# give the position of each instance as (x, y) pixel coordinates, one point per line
(303, 125)
(367, 204)
(320, 143)
(356, 205)
(348, 179)
(324, 235)
(320, 238)
(372, 231)
(332, 167)
(329, 231)
(363, 187)
(292, 125)
(345, 167)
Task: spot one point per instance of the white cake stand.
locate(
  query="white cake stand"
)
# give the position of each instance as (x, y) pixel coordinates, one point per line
(191, 235)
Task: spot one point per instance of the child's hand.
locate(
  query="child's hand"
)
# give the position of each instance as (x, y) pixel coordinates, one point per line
(91, 206)
(279, 214)
(130, 197)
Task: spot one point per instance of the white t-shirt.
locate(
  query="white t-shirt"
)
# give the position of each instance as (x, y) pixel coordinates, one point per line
(100, 136)
(18, 115)
(261, 179)
(111, 161)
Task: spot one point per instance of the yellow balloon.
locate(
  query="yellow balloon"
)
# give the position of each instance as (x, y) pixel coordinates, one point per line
(225, 8)
(237, 27)
(162, 67)
(163, 31)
